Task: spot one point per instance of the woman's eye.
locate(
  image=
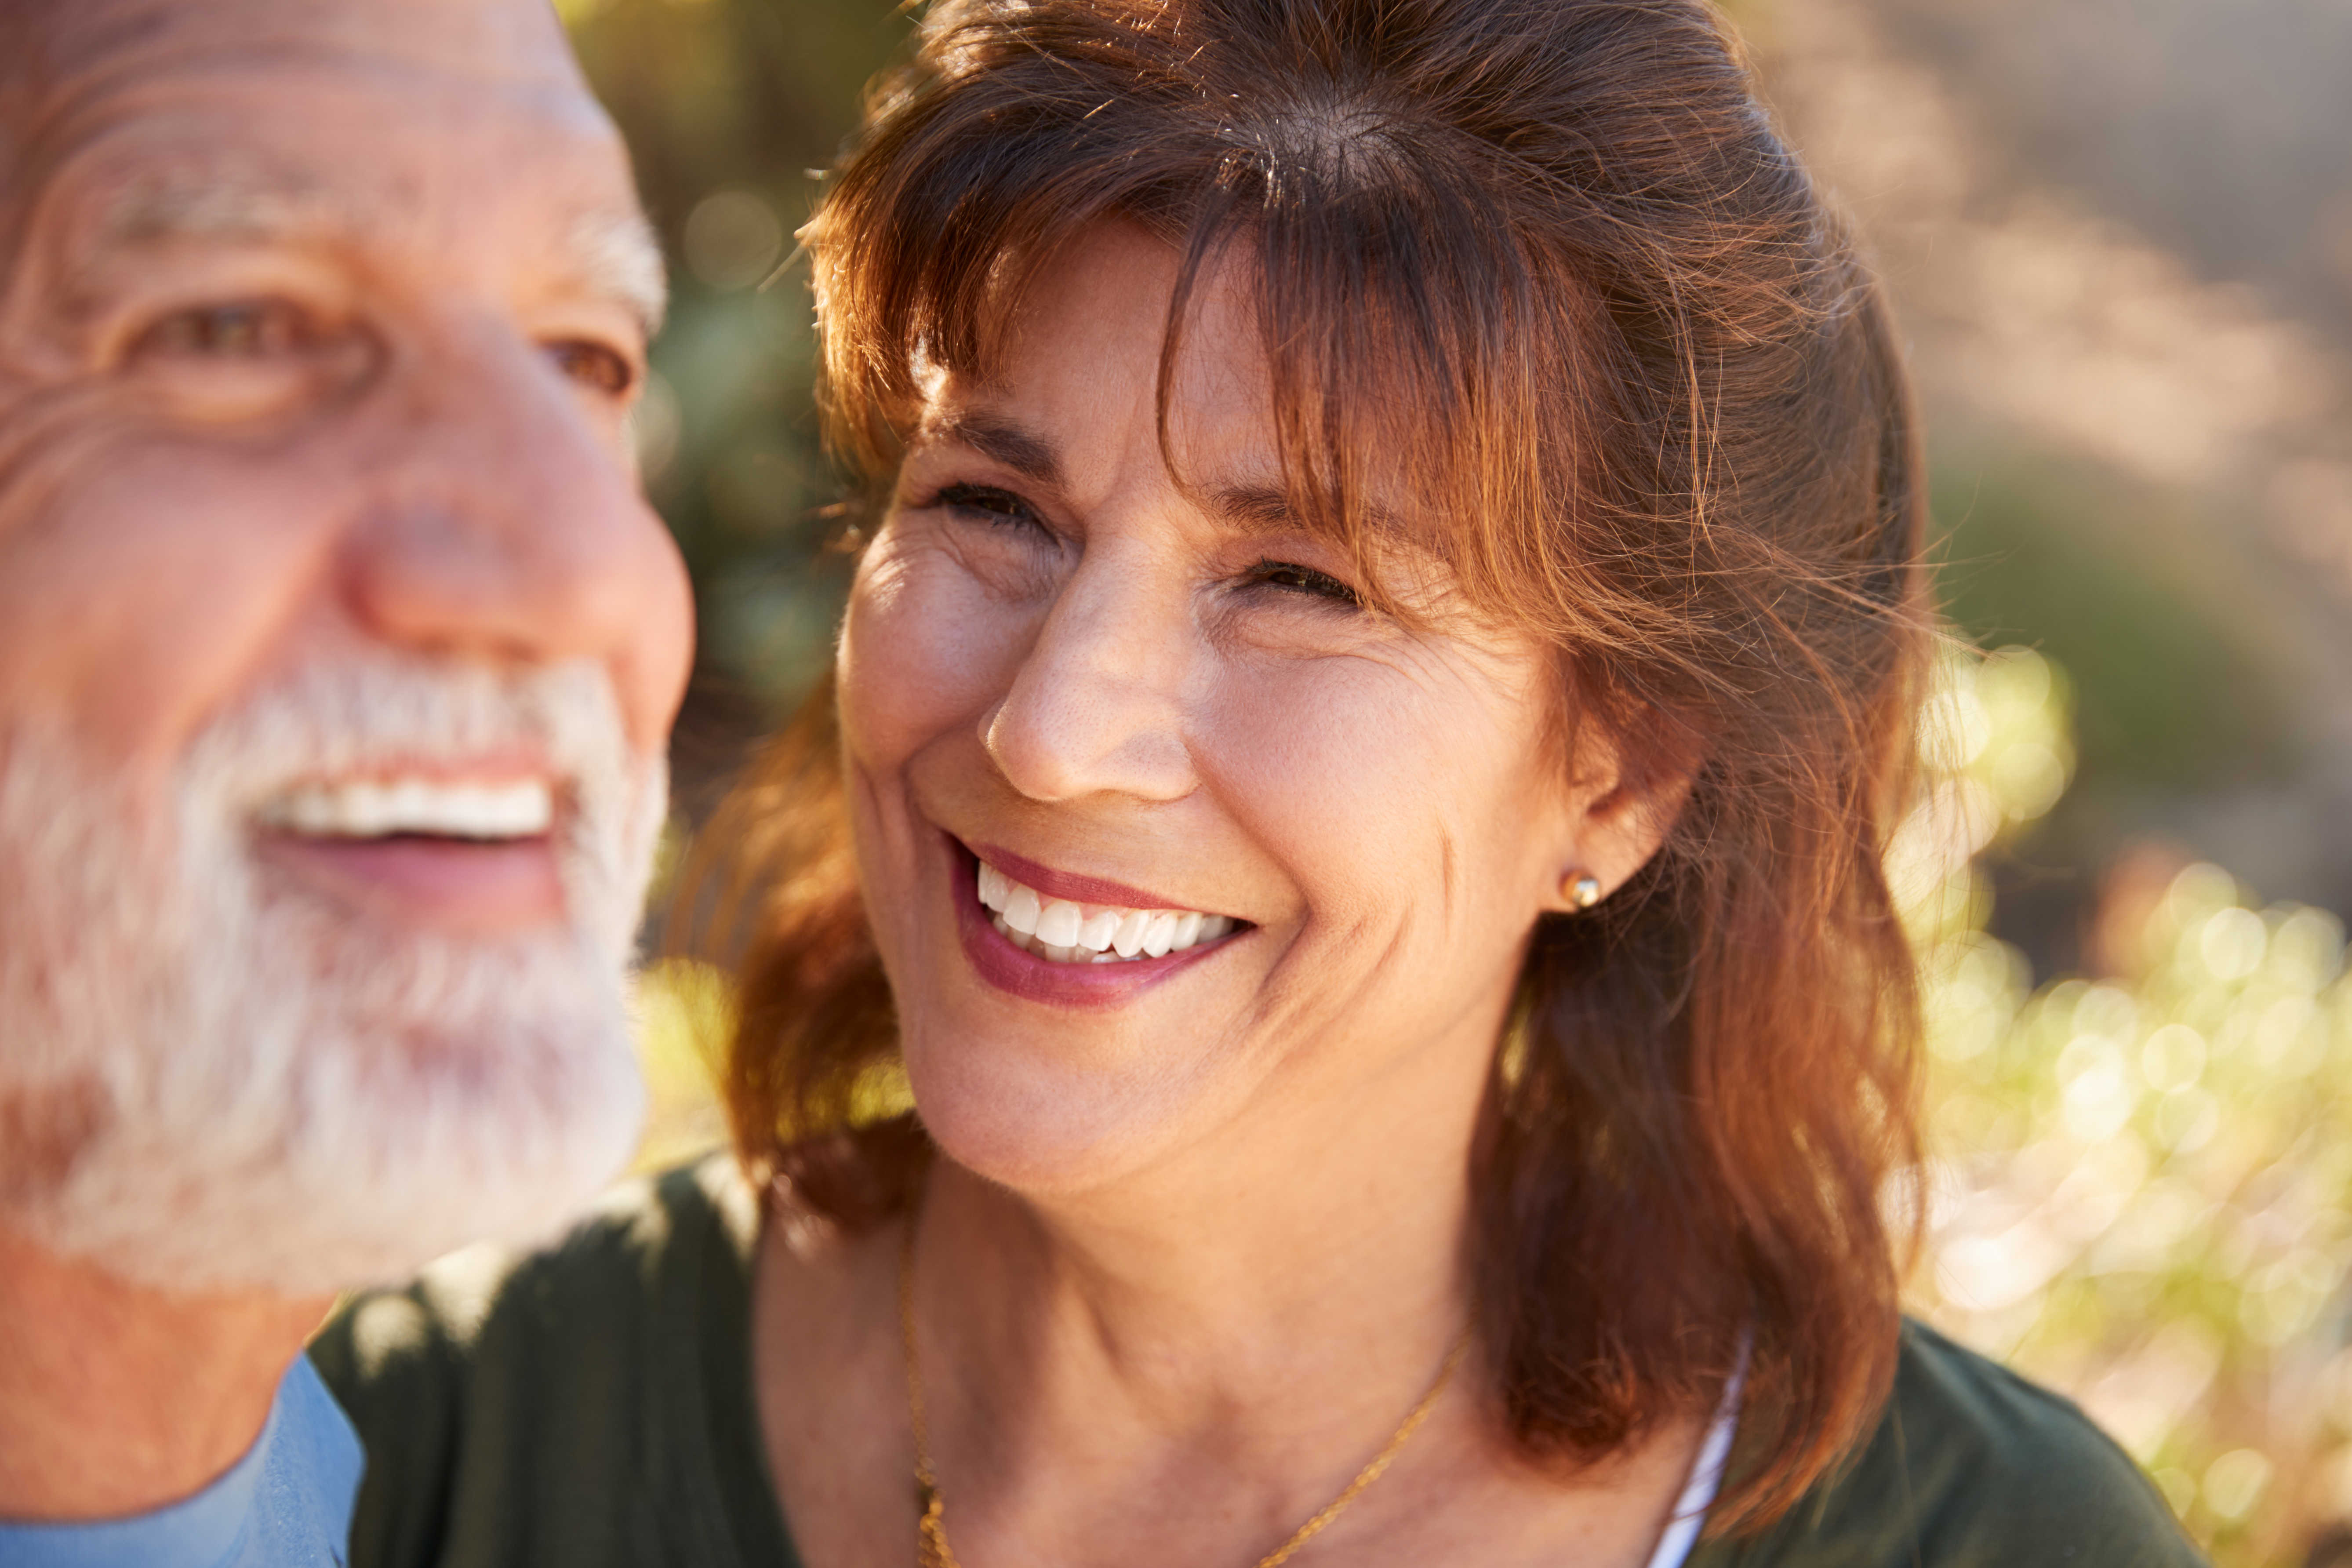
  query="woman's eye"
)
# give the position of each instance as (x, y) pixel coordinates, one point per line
(240, 330)
(988, 504)
(594, 365)
(1296, 579)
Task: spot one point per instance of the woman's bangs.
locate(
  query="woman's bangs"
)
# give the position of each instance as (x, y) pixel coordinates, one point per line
(1382, 394)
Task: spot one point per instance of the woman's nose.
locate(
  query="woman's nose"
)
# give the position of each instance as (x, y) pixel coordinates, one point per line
(1098, 705)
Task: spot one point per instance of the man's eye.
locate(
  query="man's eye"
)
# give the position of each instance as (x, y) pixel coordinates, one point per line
(1296, 579)
(240, 330)
(594, 365)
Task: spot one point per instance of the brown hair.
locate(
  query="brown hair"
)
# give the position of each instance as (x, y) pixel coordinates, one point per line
(1553, 254)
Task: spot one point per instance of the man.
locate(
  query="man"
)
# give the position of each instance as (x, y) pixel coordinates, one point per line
(337, 652)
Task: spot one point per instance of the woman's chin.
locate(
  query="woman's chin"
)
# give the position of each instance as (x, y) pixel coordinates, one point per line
(1042, 1128)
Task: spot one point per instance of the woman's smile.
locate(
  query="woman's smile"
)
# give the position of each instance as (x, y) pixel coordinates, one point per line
(1065, 938)
(1103, 924)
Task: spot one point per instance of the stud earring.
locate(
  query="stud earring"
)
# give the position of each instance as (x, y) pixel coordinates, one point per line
(1581, 889)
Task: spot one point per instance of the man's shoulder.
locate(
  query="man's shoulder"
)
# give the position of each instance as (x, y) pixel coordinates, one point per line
(1973, 1465)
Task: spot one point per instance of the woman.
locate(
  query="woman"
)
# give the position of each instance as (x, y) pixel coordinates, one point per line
(1351, 797)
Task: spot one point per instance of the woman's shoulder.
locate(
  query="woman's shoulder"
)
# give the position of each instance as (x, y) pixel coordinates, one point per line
(1973, 1465)
(469, 1313)
(555, 1405)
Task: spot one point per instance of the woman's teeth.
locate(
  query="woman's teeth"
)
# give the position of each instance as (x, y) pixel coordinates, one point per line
(1063, 932)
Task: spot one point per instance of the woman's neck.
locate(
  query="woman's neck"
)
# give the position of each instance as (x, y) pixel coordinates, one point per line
(1218, 1338)
(1224, 1285)
(1183, 1365)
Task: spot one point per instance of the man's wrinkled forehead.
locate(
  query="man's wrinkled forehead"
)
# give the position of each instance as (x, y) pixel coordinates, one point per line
(59, 41)
(73, 70)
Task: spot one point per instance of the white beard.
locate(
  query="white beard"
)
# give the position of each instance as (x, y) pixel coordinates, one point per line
(269, 1089)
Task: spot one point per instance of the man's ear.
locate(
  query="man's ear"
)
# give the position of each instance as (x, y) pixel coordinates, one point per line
(1619, 812)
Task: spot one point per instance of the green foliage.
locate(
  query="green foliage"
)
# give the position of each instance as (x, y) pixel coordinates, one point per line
(2175, 691)
(730, 108)
(2138, 1186)
(685, 1015)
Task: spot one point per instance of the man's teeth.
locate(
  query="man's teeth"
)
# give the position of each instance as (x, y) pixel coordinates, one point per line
(379, 808)
(1064, 933)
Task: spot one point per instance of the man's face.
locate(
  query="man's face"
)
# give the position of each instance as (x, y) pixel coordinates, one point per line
(337, 645)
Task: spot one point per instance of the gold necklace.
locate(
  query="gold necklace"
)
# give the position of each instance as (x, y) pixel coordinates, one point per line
(935, 1551)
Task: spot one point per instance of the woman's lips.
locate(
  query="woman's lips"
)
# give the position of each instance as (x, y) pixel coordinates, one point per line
(1066, 885)
(1037, 979)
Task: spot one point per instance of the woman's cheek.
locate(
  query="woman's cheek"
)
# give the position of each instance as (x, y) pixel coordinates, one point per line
(923, 645)
(1329, 757)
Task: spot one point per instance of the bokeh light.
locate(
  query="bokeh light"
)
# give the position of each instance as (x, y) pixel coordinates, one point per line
(2138, 1185)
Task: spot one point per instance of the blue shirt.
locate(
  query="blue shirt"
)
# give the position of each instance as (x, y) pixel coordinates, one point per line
(287, 1504)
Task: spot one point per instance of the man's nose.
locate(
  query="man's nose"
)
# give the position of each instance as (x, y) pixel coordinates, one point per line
(1097, 706)
(507, 526)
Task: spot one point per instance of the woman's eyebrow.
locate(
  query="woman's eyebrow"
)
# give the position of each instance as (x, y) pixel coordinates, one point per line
(1254, 508)
(1267, 509)
(1000, 440)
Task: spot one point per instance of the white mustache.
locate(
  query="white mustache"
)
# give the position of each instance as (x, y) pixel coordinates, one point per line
(383, 714)
(380, 714)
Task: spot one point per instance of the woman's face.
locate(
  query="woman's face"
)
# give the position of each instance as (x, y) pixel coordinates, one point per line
(1093, 715)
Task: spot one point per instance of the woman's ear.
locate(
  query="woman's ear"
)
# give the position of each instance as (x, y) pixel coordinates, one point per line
(1617, 817)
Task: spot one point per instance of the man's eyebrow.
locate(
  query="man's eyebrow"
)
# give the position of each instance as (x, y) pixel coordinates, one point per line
(619, 258)
(612, 250)
(1000, 439)
(235, 204)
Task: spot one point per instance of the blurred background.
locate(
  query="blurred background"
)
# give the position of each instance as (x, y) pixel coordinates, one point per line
(2119, 234)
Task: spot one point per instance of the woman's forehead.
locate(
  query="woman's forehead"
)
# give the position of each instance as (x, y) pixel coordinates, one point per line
(1094, 318)
(1099, 351)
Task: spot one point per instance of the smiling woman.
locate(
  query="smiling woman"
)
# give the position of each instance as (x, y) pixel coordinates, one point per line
(1351, 797)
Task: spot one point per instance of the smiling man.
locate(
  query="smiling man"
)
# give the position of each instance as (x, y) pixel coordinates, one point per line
(337, 652)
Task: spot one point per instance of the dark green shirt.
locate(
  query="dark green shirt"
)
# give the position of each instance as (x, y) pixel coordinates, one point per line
(592, 1405)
